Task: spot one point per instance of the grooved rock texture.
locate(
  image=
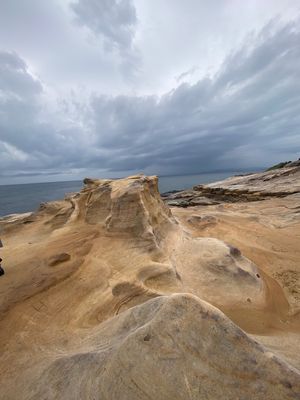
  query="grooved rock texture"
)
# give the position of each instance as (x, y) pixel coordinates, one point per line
(174, 347)
(110, 294)
(244, 188)
(277, 182)
(130, 206)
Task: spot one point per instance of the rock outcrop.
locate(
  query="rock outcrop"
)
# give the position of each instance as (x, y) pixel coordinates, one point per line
(250, 187)
(278, 182)
(105, 296)
(175, 347)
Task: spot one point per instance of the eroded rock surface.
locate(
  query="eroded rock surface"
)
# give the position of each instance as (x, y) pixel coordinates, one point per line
(103, 320)
(175, 347)
(245, 188)
(277, 182)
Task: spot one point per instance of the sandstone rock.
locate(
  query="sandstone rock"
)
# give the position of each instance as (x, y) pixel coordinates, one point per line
(58, 259)
(278, 182)
(242, 188)
(128, 206)
(74, 332)
(170, 193)
(202, 220)
(176, 347)
(178, 203)
(202, 201)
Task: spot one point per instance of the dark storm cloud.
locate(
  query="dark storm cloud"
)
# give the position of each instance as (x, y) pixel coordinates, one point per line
(113, 20)
(244, 117)
(27, 143)
(18, 93)
(235, 120)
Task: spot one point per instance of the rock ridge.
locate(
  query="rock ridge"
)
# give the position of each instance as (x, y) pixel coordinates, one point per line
(279, 183)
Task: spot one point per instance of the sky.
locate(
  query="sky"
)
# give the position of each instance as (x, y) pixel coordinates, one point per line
(108, 88)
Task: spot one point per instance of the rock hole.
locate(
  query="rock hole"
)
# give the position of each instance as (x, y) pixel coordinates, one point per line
(258, 276)
(234, 251)
(286, 384)
(147, 337)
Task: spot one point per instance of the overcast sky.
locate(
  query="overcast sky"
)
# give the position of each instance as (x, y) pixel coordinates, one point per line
(105, 88)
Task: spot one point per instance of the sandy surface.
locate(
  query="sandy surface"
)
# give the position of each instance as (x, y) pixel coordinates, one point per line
(90, 281)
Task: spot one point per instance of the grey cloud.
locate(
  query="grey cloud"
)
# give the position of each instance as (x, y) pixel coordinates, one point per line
(245, 117)
(26, 174)
(26, 142)
(11, 60)
(114, 20)
(14, 78)
(250, 104)
(62, 54)
(187, 73)
(273, 45)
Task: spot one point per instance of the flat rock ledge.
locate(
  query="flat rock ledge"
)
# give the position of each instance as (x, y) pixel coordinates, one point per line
(280, 182)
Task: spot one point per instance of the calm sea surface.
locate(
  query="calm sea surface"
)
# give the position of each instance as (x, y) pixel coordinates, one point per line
(27, 197)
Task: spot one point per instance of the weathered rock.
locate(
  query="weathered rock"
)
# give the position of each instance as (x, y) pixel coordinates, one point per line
(128, 206)
(202, 201)
(73, 332)
(170, 348)
(277, 182)
(202, 221)
(178, 203)
(243, 188)
(170, 193)
(58, 259)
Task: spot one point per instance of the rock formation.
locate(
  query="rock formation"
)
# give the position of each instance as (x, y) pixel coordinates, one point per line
(244, 188)
(172, 347)
(109, 294)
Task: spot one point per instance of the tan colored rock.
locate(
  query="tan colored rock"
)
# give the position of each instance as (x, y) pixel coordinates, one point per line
(58, 259)
(175, 347)
(74, 331)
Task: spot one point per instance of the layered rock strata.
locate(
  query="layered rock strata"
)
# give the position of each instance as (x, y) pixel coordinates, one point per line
(251, 187)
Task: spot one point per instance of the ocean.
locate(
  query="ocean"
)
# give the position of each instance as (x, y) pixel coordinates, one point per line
(27, 197)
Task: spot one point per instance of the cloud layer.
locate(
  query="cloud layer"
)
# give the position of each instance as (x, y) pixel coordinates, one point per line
(111, 19)
(244, 115)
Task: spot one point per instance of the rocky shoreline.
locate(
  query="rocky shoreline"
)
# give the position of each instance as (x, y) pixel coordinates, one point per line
(113, 293)
(246, 188)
